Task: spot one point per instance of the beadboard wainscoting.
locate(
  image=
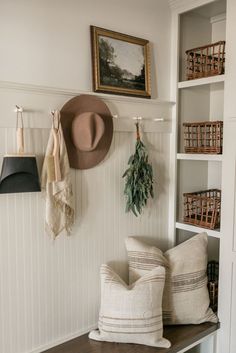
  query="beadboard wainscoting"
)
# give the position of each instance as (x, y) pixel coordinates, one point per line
(49, 290)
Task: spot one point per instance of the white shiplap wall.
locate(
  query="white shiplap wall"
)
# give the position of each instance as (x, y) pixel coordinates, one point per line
(49, 290)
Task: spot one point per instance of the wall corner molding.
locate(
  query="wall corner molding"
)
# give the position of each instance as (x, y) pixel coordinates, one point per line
(175, 4)
(218, 18)
(186, 5)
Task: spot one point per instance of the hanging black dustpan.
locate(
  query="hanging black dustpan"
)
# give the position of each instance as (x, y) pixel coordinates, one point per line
(19, 171)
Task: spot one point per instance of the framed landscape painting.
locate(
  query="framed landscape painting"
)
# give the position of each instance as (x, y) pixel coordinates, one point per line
(121, 63)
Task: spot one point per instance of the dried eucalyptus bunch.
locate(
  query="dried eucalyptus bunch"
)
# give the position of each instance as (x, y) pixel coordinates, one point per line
(138, 178)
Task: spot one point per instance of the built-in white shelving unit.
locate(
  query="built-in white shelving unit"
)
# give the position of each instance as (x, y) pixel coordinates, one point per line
(200, 99)
(195, 24)
(197, 100)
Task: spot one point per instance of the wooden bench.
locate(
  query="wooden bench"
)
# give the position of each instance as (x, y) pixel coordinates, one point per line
(181, 337)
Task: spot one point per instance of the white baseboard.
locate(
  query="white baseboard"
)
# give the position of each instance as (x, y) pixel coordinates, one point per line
(62, 340)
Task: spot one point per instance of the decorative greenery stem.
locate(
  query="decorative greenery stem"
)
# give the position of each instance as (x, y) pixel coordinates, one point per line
(138, 178)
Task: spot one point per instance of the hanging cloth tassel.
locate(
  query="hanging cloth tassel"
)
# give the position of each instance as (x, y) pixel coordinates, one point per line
(58, 192)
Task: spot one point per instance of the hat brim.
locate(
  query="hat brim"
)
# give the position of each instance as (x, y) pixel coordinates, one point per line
(86, 103)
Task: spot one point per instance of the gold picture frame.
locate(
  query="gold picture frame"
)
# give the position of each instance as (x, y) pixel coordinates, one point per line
(121, 63)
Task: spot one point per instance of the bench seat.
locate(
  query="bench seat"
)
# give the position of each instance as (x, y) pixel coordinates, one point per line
(182, 338)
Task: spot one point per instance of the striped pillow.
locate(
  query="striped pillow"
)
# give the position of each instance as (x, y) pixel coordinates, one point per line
(131, 314)
(186, 297)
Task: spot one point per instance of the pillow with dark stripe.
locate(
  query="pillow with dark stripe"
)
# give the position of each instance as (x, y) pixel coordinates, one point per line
(186, 297)
(131, 314)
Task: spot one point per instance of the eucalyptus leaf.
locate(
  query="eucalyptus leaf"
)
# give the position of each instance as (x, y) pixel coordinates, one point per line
(138, 179)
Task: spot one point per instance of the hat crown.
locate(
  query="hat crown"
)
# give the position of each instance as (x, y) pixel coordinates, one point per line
(87, 130)
(89, 138)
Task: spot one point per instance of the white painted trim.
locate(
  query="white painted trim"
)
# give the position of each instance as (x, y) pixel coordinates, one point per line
(39, 89)
(63, 340)
(186, 5)
(201, 81)
(173, 141)
(234, 204)
(218, 18)
(195, 229)
(200, 157)
(231, 305)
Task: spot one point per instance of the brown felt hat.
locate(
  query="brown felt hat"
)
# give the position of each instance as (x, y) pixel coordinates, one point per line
(88, 128)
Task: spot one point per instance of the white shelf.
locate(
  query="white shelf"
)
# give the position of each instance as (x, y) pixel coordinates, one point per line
(194, 229)
(200, 157)
(74, 92)
(201, 81)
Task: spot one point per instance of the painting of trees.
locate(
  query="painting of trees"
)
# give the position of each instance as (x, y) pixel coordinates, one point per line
(112, 74)
(121, 63)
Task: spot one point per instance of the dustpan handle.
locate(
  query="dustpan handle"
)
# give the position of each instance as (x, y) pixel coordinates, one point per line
(19, 133)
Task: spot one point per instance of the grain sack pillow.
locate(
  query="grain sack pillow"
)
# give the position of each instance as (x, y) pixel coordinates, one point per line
(186, 297)
(131, 314)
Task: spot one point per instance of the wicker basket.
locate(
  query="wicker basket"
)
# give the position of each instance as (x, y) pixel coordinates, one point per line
(208, 60)
(203, 137)
(202, 208)
(213, 278)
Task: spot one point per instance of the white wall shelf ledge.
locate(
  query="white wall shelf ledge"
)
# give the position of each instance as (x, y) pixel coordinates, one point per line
(201, 81)
(40, 89)
(200, 157)
(194, 229)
